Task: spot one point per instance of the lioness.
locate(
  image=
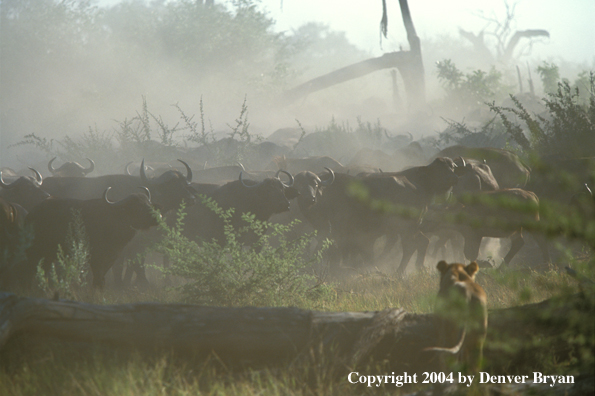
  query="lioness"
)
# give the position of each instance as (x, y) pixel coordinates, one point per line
(461, 306)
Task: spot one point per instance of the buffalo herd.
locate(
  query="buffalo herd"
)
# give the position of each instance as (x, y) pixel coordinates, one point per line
(366, 212)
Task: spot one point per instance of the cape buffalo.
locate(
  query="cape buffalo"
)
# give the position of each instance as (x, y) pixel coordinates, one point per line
(507, 167)
(109, 226)
(25, 191)
(167, 191)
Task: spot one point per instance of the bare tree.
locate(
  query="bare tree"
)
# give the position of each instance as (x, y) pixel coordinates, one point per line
(507, 39)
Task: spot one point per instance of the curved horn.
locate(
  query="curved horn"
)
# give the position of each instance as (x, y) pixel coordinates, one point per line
(146, 190)
(188, 172)
(90, 168)
(50, 167)
(127, 170)
(463, 163)
(330, 180)
(105, 196)
(38, 177)
(288, 174)
(205, 165)
(588, 189)
(4, 185)
(143, 176)
(410, 136)
(238, 163)
(245, 185)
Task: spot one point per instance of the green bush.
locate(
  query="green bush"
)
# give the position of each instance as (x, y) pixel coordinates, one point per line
(68, 275)
(274, 271)
(469, 91)
(568, 128)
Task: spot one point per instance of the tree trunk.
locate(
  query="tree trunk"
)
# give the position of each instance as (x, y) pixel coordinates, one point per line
(409, 63)
(256, 336)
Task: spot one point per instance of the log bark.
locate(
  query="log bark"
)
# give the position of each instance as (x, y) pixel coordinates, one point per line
(260, 336)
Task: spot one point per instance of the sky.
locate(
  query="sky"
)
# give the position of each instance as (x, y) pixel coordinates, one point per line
(571, 23)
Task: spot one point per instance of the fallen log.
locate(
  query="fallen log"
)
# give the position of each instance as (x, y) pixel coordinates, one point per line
(252, 336)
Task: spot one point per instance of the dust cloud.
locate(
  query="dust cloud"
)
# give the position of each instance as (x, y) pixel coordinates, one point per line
(76, 69)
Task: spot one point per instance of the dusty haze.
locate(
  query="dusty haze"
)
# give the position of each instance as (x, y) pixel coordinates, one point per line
(73, 67)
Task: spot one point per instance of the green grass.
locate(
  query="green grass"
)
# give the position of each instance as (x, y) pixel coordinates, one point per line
(47, 370)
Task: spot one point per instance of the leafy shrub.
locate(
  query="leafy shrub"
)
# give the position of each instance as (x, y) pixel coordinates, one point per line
(274, 271)
(550, 75)
(469, 91)
(68, 275)
(568, 129)
(490, 134)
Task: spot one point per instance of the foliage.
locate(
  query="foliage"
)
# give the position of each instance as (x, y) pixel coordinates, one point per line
(550, 75)
(469, 91)
(490, 134)
(68, 275)
(147, 135)
(567, 130)
(93, 144)
(274, 271)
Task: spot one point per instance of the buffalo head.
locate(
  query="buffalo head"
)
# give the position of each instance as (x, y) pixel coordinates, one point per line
(71, 169)
(272, 192)
(310, 186)
(170, 188)
(25, 191)
(136, 211)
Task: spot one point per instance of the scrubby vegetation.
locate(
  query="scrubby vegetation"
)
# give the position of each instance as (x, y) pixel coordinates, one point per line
(279, 269)
(276, 271)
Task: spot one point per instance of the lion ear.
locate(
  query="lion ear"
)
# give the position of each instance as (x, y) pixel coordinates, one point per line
(442, 266)
(471, 269)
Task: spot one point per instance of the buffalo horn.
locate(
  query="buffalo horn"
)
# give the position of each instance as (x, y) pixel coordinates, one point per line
(90, 168)
(38, 177)
(143, 175)
(188, 172)
(127, 168)
(245, 185)
(463, 164)
(50, 167)
(105, 196)
(146, 190)
(331, 178)
(4, 185)
(288, 174)
(238, 163)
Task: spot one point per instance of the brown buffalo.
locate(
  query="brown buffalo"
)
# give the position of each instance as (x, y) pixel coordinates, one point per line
(507, 167)
(109, 226)
(496, 214)
(355, 225)
(168, 190)
(25, 191)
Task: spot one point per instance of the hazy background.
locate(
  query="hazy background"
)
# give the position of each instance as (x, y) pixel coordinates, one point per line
(76, 65)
